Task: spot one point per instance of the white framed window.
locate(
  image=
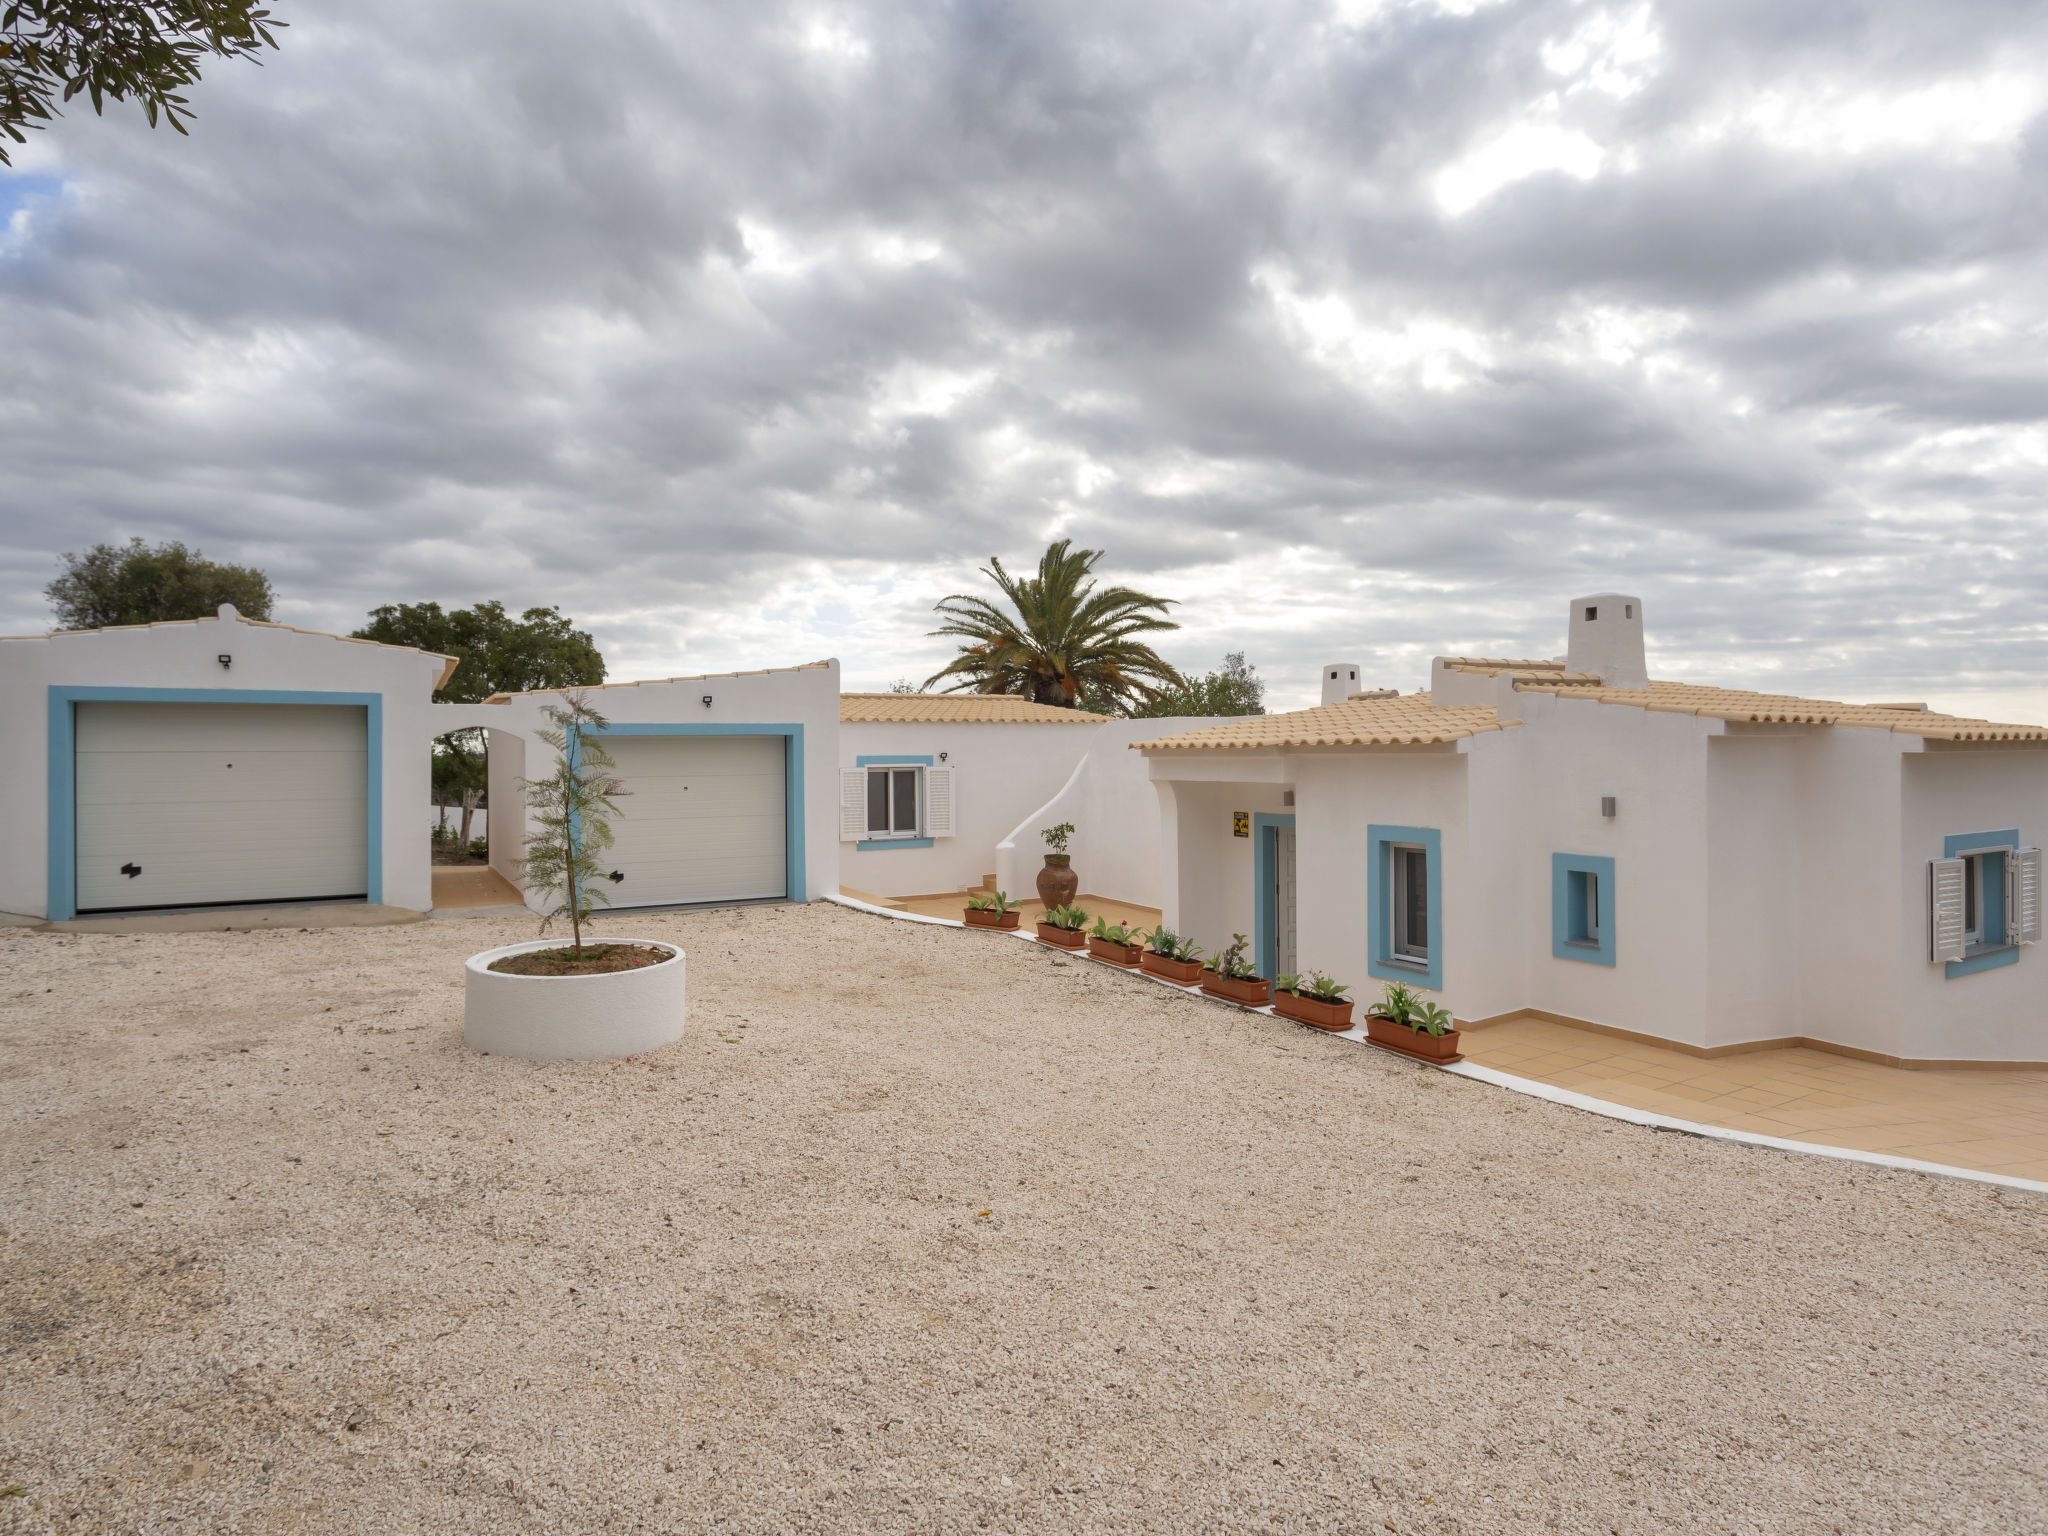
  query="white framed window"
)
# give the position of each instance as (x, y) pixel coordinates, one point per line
(1409, 941)
(1980, 900)
(894, 802)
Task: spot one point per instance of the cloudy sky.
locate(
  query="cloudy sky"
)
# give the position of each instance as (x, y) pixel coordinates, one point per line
(1367, 330)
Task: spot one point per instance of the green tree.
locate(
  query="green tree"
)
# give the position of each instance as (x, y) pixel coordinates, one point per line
(1065, 641)
(138, 583)
(147, 50)
(495, 653)
(1235, 688)
(572, 814)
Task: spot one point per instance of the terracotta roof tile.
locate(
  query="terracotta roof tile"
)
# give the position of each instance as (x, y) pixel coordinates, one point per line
(958, 709)
(1406, 720)
(1740, 705)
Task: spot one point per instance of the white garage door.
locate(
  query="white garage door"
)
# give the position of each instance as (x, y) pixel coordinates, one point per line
(193, 804)
(704, 819)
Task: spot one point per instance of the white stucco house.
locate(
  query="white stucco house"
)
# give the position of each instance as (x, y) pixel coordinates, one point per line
(1700, 866)
(209, 762)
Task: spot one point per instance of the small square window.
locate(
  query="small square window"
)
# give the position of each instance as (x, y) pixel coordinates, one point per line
(1592, 613)
(1582, 908)
(1582, 905)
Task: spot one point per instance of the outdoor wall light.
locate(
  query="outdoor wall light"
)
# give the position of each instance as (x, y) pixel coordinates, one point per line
(942, 757)
(1607, 805)
(225, 660)
(707, 701)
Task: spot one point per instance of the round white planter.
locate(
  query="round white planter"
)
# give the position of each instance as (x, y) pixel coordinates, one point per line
(572, 1018)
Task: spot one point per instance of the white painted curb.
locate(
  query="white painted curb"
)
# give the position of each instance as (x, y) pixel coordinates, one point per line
(1535, 1090)
(572, 1018)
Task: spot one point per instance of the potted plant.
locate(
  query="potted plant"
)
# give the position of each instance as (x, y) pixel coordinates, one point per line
(1064, 926)
(1235, 978)
(1403, 1022)
(593, 998)
(996, 911)
(1113, 942)
(1058, 885)
(1172, 957)
(1313, 999)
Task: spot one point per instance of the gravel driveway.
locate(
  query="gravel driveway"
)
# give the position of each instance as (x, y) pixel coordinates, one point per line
(931, 1230)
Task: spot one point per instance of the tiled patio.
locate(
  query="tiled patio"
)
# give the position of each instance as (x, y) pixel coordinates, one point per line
(950, 904)
(472, 885)
(1992, 1121)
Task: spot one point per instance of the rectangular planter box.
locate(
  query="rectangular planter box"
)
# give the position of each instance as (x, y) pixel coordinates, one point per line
(1306, 1010)
(1182, 973)
(1115, 954)
(980, 919)
(1412, 1042)
(1253, 994)
(1065, 938)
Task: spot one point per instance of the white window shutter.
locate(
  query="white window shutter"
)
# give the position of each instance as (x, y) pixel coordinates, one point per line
(853, 805)
(1945, 882)
(2023, 896)
(938, 802)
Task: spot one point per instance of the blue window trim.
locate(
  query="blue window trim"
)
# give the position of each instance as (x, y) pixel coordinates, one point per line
(884, 762)
(1379, 905)
(1562, 867)
(2005, 954)
(1265, 849)
(792, 781)
(890, 844)
(62, 889)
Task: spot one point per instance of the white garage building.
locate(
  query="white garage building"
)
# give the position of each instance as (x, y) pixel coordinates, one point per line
(212, 762)
(729, 778)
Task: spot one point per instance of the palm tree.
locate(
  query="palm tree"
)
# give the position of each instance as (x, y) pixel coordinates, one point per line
(1068, 643)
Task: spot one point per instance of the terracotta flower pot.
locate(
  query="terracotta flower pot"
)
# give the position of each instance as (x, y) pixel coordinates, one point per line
(1065, 938)
(1307, 1010)
(1255, 993)
(1058, 885)
(1182, 973)
(978, 917)
(1409, 1041)
(1115, 954)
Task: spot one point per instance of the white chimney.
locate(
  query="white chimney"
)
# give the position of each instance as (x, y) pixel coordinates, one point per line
(1606, 636)
(1340, 681)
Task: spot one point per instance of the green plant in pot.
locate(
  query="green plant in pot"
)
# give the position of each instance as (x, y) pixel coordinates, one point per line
(1065, 926)
(996, 911)
(1235, 978)
(1058, 885)
(1115, 942)
(1313, 999)
(1172, 957)
(1404, 1021)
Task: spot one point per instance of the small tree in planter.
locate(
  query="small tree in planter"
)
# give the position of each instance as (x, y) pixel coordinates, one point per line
(572, 814)
(589, 1002)
(1402, 1021)
(1058, 885)
(1235, 978)
(1313, 999)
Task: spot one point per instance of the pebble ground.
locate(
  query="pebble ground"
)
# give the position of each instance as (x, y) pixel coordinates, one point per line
(929, 1230)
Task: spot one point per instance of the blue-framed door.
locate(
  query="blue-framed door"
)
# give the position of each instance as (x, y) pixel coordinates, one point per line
(1265, 906)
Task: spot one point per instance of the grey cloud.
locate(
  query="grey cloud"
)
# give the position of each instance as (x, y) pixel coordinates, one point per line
(664, 315)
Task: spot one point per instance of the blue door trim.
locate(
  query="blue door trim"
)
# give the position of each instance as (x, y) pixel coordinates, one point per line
(1379, 905)
(1265, 851)
(1990, 959)
(792, 781)
(62, 894)
(1562, 867)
